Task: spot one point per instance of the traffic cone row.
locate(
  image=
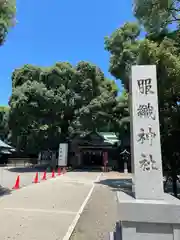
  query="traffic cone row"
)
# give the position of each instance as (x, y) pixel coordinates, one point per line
(36, 178)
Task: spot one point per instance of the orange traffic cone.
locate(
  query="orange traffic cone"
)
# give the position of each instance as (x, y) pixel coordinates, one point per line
(44, 176)
(17, 183)
(36, 178)
(53, 174)
(59, 171)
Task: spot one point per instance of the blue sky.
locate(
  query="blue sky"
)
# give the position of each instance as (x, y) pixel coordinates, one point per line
(57, 30)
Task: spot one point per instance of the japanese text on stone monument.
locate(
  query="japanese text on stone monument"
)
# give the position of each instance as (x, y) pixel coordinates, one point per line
(146, 148)
(145, 86)
(147, 111)
(146, 136)
(147, 163)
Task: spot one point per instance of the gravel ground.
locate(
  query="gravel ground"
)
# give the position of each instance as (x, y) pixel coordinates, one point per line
(99, 216)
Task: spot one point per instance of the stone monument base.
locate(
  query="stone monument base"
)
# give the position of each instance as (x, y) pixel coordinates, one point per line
(149, 219)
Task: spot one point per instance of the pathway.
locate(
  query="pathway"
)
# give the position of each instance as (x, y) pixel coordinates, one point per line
(48, 210)
(8, 176)
(100, 214)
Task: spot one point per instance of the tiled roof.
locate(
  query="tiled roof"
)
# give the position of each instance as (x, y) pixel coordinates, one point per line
(109, 137)
(4, 145)
(5, 148)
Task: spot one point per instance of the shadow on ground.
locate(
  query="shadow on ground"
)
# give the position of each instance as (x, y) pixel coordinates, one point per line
(124, 185)
(22, 169)
(26, 169)
(86, 170)
(4, 191)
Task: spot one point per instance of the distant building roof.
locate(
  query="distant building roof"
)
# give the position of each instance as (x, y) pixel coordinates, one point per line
(5, 147)
(5, 151)
(109, 137)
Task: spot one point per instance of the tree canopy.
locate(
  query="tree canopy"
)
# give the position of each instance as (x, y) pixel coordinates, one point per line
(160, 47)
(4, 122)
(51, 104)
(7, 17)
(157, 15)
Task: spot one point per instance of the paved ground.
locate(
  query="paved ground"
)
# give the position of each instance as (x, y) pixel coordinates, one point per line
(53, 205)
(50, 209)
(100, 214)
(46, 210)
(8, 176)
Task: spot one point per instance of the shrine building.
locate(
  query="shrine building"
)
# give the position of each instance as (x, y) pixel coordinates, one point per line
(88, 151)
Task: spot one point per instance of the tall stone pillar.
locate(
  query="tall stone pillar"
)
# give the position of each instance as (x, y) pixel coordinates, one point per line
(150, 214)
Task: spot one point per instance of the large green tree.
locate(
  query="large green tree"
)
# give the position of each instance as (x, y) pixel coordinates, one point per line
(157, 15)
(4, 122)
(127, 48)
(48, 105)
(7, 17)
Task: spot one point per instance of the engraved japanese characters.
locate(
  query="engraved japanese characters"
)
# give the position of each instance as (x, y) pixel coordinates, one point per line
(147, 163)
(145, 135)
(145, 86)
(148, 112)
